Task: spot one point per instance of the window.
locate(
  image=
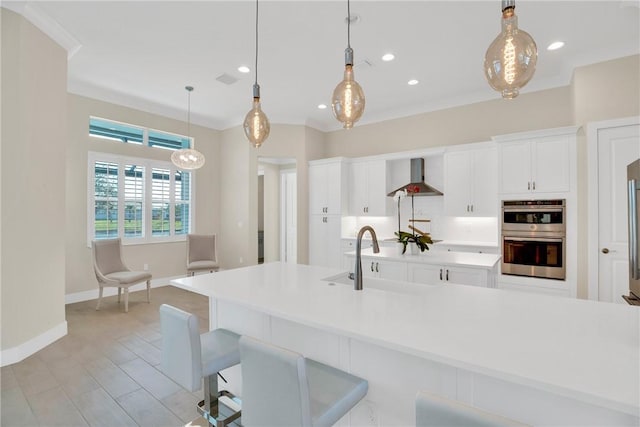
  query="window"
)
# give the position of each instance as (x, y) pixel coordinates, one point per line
(123, 132)
(139, 200)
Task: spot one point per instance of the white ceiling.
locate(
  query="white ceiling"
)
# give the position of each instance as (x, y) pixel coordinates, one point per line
(142, 54)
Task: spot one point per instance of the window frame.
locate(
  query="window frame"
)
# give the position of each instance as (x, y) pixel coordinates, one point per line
(149, 164)
(146, 140)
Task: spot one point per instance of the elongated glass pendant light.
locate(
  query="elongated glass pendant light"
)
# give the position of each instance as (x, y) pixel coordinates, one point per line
(256, 124)
(188, 158)
(511, 58)
(348, 100)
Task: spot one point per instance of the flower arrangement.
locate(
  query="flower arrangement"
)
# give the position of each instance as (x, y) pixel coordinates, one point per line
(399, 195)
(421, 240)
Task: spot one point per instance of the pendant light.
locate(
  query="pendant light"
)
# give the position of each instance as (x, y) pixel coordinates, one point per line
(188, 158)
(348, 100)
(256, 124)
(511, 59)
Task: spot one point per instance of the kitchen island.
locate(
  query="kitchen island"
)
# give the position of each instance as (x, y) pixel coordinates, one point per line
(538, 359)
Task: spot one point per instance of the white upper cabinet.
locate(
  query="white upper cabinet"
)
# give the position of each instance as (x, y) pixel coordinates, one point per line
(368, 189)
(328, 187)
(471, 182)
(540, 162)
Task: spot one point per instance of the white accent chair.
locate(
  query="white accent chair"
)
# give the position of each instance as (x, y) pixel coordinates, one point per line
(437, 411)
(188, 357)
(282, 388)
(111, 271)
(201, 253)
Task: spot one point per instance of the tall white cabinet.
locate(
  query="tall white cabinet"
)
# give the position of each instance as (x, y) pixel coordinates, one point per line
(471, 180)
(367, 188)
(327, 203)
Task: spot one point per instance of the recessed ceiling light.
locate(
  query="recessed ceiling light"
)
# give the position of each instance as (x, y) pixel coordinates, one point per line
(243, 69)
(555, 45)
(322, 106)
(388, 57)
(413, 82)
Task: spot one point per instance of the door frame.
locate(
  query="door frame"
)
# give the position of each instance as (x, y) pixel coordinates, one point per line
(286, 198)
(593, 198)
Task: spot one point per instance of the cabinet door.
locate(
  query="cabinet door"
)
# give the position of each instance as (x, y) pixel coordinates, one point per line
(358, 189)
(333, 185)
(457, 183)
(317, 189)
(391, 270)
(485, 183)
(428, 274)
(515, 167)
(551, 164)
(377, 203)
(466, 276)
(317, 242)
(325, 245)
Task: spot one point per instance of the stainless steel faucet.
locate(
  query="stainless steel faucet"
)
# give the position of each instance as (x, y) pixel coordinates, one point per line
(357, 282)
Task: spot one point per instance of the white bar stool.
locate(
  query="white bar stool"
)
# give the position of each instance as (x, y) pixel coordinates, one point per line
(188, 357)
(433, 410)
(282, 388)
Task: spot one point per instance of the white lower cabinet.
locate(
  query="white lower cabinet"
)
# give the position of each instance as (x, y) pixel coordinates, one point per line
(432, 274)
(391, 270)
(325, 245)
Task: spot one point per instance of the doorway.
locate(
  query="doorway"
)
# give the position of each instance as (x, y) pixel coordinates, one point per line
(277, 209)
(613, 144)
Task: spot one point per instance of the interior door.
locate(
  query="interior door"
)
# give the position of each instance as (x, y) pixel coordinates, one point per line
(617, 147)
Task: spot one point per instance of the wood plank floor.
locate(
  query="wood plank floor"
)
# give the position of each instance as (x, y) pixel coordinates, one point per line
(105, 371)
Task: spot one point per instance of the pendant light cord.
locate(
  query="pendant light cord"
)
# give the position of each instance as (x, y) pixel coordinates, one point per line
(256, 42)
(348, 25)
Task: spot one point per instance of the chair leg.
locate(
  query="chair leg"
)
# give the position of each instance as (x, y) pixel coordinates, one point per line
(99, 298)
(148, 291)
(126, 300)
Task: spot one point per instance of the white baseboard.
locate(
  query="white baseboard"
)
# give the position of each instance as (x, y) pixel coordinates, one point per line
(24, 350)
(108, 291)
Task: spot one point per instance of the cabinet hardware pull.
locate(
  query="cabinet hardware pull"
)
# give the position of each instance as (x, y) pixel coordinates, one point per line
(440, 274)
(467, 208)
(528, 186)
(371, 265)
(377, 271)
(447, 275)
(534, 185)
(471, 208)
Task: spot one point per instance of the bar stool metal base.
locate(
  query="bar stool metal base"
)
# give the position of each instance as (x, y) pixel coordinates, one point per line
(209, 408)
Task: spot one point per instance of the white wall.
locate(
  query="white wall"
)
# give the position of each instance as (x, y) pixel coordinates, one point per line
(164, 259)
(34, 133)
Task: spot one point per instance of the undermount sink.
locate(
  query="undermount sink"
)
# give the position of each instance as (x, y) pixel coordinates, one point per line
(379, 284)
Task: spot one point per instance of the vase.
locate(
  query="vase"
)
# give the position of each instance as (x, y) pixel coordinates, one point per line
(399, 247)
(414, 249)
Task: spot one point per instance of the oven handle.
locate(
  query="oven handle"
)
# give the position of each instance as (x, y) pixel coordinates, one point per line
(533, 239)
(532, 208)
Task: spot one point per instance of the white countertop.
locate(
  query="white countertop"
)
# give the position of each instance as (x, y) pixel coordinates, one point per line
(460, 259)
(586, 350)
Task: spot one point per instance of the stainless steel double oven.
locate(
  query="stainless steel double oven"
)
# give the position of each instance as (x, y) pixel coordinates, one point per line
(534, 238)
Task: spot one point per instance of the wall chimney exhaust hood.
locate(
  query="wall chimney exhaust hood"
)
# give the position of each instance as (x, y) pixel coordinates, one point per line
(417, 181)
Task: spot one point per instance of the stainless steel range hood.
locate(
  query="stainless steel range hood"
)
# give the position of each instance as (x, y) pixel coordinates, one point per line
(417, 181)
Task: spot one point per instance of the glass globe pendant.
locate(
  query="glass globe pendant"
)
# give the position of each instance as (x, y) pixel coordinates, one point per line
(348, 100)
(256, 124)
(511, 58)
(188, 158)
